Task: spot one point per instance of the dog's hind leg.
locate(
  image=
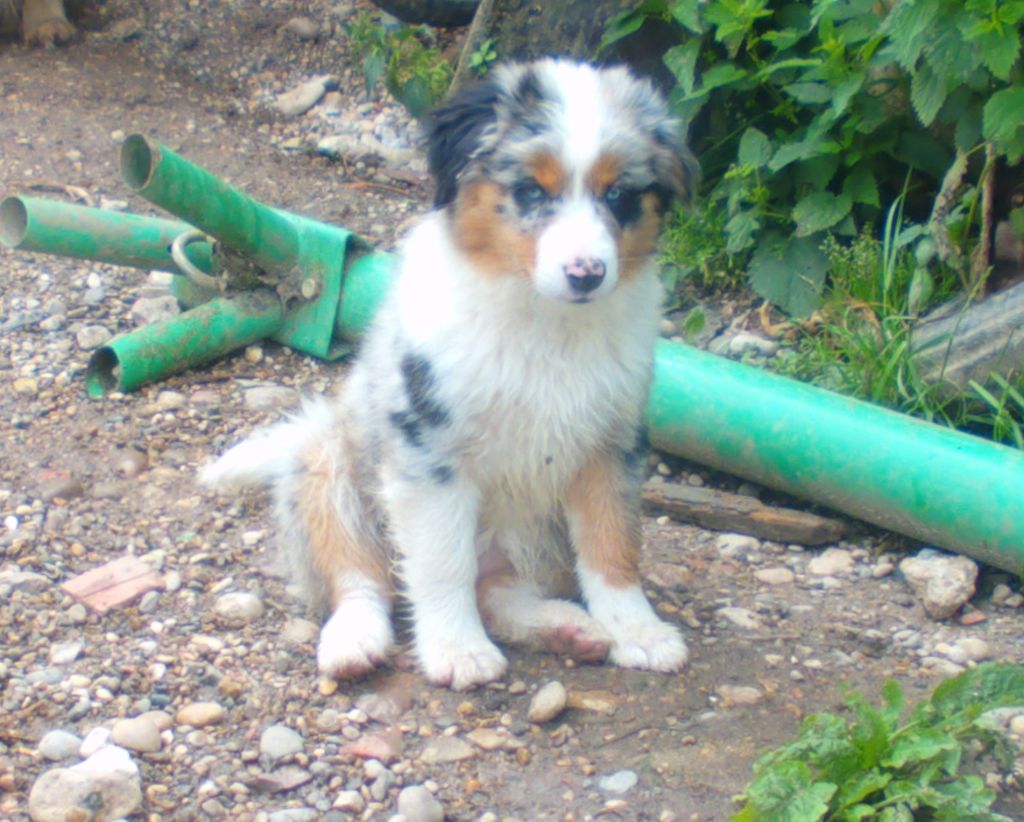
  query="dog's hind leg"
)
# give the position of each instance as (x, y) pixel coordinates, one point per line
(515, 611)
(333, 548)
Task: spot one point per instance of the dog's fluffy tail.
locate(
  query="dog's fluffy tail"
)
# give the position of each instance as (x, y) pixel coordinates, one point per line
(270, 454)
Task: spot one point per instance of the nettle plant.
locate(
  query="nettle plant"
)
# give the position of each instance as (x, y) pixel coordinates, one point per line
(810, 117)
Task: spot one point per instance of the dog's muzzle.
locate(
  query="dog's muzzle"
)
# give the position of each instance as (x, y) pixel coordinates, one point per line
(584, 274)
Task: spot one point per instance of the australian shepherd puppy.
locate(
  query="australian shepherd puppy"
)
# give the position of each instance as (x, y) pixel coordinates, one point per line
(485, 453)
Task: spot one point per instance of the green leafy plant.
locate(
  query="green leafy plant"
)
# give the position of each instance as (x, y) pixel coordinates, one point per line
(413, 71)
(805, 113)
(877, 764)
(482, 57)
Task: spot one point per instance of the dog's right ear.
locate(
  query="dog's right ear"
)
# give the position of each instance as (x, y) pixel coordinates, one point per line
(455, 132)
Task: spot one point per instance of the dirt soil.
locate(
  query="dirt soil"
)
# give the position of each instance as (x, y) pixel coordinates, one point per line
(83, 482)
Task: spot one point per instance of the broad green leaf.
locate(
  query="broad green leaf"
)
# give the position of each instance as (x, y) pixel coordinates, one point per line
(907, 26)
(809, 93)
(917, 746)
(896, 813)
(755, 148)
(1017, 222)
(820, 211)
(740, 231)
(860, 185)
(999, 49)
(844, 92)
(854, 791)
(787, 793)
(927, 94)
(870, 730)
(687, 14)
(789, 273)
(922, 286)
(968, 127)
(892, 696)
(628, 22)
(682, 62)
(810, 146)
(720, 75)
(1003, 116)
(979, 689)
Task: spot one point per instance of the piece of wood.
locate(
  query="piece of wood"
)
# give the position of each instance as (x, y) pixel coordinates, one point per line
(722, 511)
(114, 583)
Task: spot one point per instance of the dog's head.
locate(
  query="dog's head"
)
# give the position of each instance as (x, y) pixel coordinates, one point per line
(559, 172)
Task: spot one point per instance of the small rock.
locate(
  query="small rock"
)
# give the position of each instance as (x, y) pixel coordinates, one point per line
(303, 97)
(137, 734)
(732, 695)
(737, 546)
(942, 582)
(302, 27)
(64, 653)
(200, 714)
(775, 576)
(280, 741)
(350, 802)
(973, 649)
(295, 815)
(95, 740)
(92, 336)
(61, 487)
(547, 703)
(446, 749)
(298, 631)
(386, 747)
(833, 562)
(745, 341)
(1017, 725)
(618, 782)
(740, 617)
(269, 397)
(149, 310)
(57, 745)
(104, 786)
(490, 739)
(417, 804)
(239, 606)
(601, 702)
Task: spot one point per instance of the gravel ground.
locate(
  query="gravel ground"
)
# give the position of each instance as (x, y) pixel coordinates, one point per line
(208, 681)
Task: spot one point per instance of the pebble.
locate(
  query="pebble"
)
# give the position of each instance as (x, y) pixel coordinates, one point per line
(137, 734)
(740, 617)
(967, 649)
(280, 741)
(732, 695)
(417, 804)
(490, 739)
(943, 583)
(95, 740)
(304, 28)
(775, 576)
(548, 703)
(57, 745)
(149, 310)
(350, 802)
(269, 397)
(1017, 725)
(104, 786)
(294, 815)
(737, 546)
(618, 782)
(239, 606)
(89, 337)
(745, 341)
(446, 749)
(303, 97)
(833, 562)
(64, 653)
(200, 714)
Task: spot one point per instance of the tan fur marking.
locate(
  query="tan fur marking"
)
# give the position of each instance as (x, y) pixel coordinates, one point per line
(638, 241)
(333, 550)
(604, 173)
(609, 537)
(548, 172)
(483, 232)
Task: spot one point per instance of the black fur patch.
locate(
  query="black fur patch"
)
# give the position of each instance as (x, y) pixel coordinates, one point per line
(424, 410)
(453, 135)
(442, 474)
(636, 456)
(624, 204)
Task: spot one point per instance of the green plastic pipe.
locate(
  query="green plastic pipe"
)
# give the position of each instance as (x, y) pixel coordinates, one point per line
(197, 336)
(264, 235)
(36, 224)
(942, 487)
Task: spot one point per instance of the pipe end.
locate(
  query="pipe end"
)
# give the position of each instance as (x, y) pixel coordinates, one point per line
(13, 221)
(103, 374)
(138, 159)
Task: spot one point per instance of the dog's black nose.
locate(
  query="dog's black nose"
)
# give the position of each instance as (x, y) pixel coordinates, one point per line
(584, 275)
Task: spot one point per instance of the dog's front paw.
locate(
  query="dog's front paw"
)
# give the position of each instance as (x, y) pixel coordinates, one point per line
(354, 641)
(464, 665)
(651, 646)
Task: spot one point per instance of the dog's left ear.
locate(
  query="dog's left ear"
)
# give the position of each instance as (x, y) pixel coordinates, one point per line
(674, 163)
(455, 131)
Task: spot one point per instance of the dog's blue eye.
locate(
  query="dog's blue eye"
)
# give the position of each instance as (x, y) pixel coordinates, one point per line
(623, 203)
(530, 194)
(612, 194)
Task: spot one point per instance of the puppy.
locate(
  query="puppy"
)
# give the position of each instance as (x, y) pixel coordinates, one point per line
(486, 449)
